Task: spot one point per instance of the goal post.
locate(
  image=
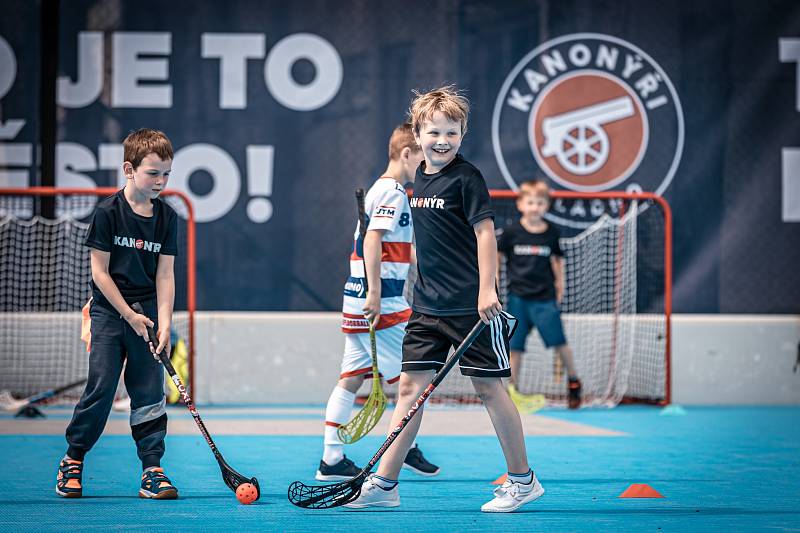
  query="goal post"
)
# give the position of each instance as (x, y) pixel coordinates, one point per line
(45, 274)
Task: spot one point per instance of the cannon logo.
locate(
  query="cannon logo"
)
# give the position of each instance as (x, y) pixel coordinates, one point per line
(591, 112)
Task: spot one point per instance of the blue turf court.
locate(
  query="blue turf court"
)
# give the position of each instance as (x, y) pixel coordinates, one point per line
(718, 468)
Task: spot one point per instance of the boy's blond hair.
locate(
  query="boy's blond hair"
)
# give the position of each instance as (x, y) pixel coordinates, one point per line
(402, 137)
(447, 99)
(145, 141)
(534, 188)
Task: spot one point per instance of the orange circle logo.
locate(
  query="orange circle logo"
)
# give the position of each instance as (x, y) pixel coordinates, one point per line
(588, 131)
(588, 112)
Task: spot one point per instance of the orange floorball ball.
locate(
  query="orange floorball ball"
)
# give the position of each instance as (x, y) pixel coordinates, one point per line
(246, 493)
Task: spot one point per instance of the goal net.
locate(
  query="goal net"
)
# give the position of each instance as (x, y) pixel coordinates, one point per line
(45, 276)
(616, 302)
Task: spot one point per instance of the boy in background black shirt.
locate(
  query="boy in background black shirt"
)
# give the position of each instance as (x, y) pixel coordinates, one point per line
(535, 269)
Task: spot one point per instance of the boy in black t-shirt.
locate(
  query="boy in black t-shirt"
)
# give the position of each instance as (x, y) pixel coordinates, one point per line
(535, 270)
(133, 241)
(456, 261)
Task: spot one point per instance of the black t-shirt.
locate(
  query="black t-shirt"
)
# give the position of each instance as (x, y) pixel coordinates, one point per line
(445, 206)
(135, 243)
(528, 267)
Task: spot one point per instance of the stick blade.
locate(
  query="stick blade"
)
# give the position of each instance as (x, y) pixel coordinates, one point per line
(527, 404)
(233, 478)
(366, 419)
(325, 496)
(8, 402)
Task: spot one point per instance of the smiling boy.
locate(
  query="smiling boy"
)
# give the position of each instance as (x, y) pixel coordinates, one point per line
(455, 287)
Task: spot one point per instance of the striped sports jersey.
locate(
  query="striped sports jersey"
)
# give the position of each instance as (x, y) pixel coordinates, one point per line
(386, 208)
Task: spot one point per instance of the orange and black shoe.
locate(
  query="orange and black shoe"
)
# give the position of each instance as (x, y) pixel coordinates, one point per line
(156, 485)
(68, 481)
(574, 393)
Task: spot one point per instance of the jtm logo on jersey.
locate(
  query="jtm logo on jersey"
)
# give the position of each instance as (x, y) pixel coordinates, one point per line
(432, 203)
(385, 211)
(139, 244)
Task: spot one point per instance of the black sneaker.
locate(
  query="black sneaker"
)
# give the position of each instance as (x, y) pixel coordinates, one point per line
(341, 471)
(417, 463)
(574, 393)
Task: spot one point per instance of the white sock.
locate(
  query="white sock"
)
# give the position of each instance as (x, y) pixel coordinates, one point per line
(384, 483)
(340, 405)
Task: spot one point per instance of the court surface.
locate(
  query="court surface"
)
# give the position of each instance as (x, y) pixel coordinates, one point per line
(717, 468)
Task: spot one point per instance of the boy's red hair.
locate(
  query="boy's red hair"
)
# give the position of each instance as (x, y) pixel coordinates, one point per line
(402, 137)
(145, 141)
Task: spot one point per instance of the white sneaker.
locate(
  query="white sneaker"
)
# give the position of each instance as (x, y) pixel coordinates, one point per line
(512, 495)
(373, 495)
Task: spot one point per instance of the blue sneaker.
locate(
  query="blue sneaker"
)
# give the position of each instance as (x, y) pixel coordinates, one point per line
(156, 485)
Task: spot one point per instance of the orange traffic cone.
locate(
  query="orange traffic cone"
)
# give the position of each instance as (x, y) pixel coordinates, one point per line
(500, 480)
(640, 490)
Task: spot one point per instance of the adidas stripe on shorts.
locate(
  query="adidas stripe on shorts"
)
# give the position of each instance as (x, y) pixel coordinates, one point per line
(429, 339)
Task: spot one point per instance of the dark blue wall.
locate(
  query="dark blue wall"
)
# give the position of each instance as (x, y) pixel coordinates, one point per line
(734, 97)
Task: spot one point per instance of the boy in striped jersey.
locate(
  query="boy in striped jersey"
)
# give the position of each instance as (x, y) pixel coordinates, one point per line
(387, 251)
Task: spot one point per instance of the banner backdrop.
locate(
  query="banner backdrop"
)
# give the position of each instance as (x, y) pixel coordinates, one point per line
(278, 110)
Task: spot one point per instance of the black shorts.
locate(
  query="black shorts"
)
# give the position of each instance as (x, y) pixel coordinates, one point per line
(429, 338)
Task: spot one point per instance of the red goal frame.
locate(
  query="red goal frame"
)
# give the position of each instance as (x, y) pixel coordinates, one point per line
(190, 247)
(667, 213)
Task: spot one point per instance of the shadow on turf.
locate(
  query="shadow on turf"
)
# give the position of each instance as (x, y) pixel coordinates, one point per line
(270, 500)
(266, 499)
(547, 482)
(655, 511)
(662, 511)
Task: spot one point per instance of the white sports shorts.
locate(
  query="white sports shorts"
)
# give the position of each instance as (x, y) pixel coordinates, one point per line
(357, 359)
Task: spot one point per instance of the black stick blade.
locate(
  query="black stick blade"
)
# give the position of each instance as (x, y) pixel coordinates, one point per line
(233, 478)
(29, 411)
(325, 496)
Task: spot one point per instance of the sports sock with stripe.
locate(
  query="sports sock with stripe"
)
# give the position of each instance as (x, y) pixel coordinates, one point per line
(340, 405)
(384, 483)
(525, 479)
